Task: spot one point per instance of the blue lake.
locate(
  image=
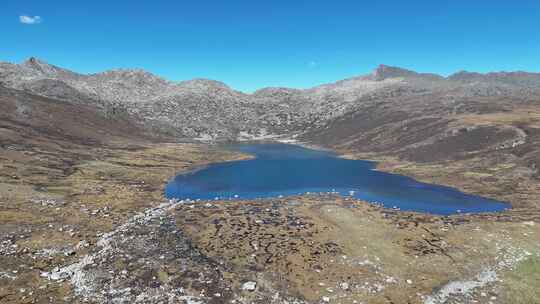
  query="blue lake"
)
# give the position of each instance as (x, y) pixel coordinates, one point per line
(281, 169)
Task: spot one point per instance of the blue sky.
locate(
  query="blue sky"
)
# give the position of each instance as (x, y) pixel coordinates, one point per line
(253, 44)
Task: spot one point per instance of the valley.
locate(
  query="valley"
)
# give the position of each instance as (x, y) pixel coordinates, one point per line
(85, 159)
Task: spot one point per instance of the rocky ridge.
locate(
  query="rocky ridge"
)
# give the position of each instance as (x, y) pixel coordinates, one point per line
(208, 109)
(392, 110)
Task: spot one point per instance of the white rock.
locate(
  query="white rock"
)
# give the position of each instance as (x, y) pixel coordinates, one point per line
(59, 275)
(249, 286)
(390, 280)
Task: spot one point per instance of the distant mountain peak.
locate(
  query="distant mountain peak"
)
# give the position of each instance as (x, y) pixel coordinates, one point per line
(36, 63)
(132, 74)
(466, 76)
(42, 67)
(516, 78)
(32, 60)
(384, 71)
(121, 71)
(203, 82)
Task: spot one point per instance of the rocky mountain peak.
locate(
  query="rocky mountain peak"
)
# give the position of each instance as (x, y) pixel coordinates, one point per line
(385, 71)
(126, 72)
(32, 60)
(43, 68)
(465, 76)
(37, 64)
(135, 76)
(276, 92)
(518, 78)
(202, 83)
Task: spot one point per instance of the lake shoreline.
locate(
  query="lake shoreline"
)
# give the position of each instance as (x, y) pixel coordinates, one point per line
(179, 187)
(419, 172)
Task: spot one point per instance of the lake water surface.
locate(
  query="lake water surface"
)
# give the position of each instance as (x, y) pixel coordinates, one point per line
(282, 169)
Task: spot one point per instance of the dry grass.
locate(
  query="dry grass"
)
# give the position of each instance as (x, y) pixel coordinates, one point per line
(526, 115)
(123, 179)
(370, 248)
(522, 285)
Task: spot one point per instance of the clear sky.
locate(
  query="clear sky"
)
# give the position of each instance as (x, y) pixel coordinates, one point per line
(250, 44)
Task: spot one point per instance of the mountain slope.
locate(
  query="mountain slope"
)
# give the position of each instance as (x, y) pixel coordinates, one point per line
(44, 119)
(392, 110)
(198, 108)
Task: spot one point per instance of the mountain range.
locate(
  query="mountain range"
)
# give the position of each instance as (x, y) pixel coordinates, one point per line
(421, 117)
(208, 109)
